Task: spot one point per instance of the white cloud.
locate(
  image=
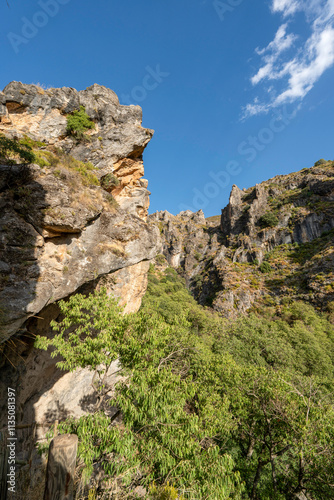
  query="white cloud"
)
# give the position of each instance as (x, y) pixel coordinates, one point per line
(305, 73)
(271, 53)
(287, 7)
(298, 72)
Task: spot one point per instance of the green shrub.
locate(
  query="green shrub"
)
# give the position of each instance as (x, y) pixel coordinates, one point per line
(200, 413)
(12, 149)
(198, 280)
(320, 162)
(109, 182)
(160, 361)
(268, 220)
(265, 267)
(78, 123)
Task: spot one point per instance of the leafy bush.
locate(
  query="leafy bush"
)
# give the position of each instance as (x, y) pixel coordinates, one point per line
(96, 319)
(265, 267)
(86, 170)
(78, 123)
(109, 182)
(320, 162)
(269, 219)
(244, 411)
(165, 432)
(12, 150)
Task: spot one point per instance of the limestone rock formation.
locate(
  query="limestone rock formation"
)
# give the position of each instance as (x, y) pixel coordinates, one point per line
(118, 138)
(59, 227)
(286, 222)
(63, 230)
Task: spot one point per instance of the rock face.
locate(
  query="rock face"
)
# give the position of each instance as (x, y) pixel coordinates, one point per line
(115, 145)
(63, 231)
(59, 229)
(300, 202)
(286, 222)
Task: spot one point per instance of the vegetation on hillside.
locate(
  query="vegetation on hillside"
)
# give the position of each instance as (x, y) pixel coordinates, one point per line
(11, 150)
(78, 123)
(210, 408)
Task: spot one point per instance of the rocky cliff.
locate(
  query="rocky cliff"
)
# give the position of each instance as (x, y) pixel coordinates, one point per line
(114, 145)
(72, 221)
(63, 224)
(272, 243)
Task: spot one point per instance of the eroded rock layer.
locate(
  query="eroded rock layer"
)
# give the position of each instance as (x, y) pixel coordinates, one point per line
(61, 225)
(273, 242)
(116, 143)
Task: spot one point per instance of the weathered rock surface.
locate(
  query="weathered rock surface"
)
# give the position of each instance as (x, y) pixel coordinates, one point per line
(301, 202)
(61, 233)
(44, 394)
(117, 139)
(54, 238)
(284, 221)
(58, 230)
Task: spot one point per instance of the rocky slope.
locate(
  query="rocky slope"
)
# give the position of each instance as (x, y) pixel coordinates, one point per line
(59, 229)
(76, 220)
(272, 243)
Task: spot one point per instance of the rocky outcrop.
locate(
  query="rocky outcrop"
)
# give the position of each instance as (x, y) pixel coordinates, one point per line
(63, 230)
(117, 140)
(185, 239)
(294, 204)
(280, 221)
(59, 228)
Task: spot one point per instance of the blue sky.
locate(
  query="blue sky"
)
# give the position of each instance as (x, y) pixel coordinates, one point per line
(241, 91)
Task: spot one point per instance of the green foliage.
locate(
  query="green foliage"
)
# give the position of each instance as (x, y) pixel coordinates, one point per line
(320, 162)
(268, 219)
(167, 431)
(78, 123)
(299, 341)
(168, 295)
(58, 158)
(90, 332)
(265, 267)
(218, 409)
(30, 143)
(109, 182)
(85, 170)
(12, 150)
